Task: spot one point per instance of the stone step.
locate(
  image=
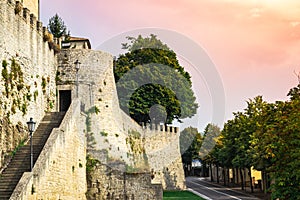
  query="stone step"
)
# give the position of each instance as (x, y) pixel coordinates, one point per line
(21, 165)
(10, 171)
(15, 168)
(12, 168)
(11, 184)
(11, 174)
(6, 191)
(25, 156)
(7, 182)
(9, 187)
(4, 197)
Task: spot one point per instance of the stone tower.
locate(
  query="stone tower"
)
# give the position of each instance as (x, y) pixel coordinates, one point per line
(33, 6)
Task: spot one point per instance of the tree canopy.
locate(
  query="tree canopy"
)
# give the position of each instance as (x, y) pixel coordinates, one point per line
(149, 74)
(190, 143)
(57, 26)
(265, 136)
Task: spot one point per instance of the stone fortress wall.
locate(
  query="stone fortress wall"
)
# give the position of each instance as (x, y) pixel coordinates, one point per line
(113, 132)
(22, 38)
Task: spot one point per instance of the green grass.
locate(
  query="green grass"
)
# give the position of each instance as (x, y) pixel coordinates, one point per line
(177, 195)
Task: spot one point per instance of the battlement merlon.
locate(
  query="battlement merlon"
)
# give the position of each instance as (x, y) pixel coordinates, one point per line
(32, 5)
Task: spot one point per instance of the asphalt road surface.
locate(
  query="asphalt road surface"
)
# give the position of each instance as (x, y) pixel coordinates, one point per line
(212, 191)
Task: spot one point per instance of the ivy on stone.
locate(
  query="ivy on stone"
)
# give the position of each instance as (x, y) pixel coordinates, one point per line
(17, 93)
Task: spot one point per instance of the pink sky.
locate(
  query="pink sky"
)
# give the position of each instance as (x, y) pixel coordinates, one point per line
(255, 44)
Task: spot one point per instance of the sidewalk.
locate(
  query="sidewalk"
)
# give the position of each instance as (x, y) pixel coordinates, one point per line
(256, 191)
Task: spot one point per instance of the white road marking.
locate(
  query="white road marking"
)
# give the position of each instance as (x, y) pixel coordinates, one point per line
(199, 194)
(216, 191)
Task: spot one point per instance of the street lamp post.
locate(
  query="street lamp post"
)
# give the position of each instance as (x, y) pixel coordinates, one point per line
(77, 67)
(31, 127)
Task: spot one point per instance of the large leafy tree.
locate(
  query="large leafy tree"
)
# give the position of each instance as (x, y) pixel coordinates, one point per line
(190, 141)
(57, 26)
(150, 74)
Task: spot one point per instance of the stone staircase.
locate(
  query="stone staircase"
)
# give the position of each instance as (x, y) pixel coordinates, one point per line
(21, 160)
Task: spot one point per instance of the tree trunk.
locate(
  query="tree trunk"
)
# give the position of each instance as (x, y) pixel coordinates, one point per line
(233, 176)
(237, 175)
(245, 178)
(266, 183)
(251, 183)
(224, 176)
(242, 178)
(211, 172)
(203, 169)
(227, 175)
(218, 181)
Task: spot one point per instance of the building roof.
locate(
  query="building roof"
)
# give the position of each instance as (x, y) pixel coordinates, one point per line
(79, 39)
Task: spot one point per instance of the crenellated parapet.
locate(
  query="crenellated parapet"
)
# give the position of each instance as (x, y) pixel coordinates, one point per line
(160, 127)
(15, 15)
(32, 5)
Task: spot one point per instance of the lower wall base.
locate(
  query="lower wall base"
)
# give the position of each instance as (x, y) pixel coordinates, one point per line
(107, 183)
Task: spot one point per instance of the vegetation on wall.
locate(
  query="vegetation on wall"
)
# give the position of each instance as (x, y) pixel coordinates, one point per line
(91, 142)
(18, 8)
(133, 140)
(21, 144)
(103, 133)
(90, 163)
(35, 95)
(17, 93)
(44, 84)
(138, 152)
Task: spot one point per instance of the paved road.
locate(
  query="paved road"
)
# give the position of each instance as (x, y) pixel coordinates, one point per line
(212, 191)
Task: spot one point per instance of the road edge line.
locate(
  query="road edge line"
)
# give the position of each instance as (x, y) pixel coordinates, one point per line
(199, 194)
(228, 188)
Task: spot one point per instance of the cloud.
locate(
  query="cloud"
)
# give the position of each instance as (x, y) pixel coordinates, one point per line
(294, 23)
(255, 12)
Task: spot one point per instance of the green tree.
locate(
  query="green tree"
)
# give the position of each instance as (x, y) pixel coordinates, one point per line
(150, 74)
(190, 143)
(210, 147)
(265, 136)
(57, 26)
(210, 136)
(278, 145)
